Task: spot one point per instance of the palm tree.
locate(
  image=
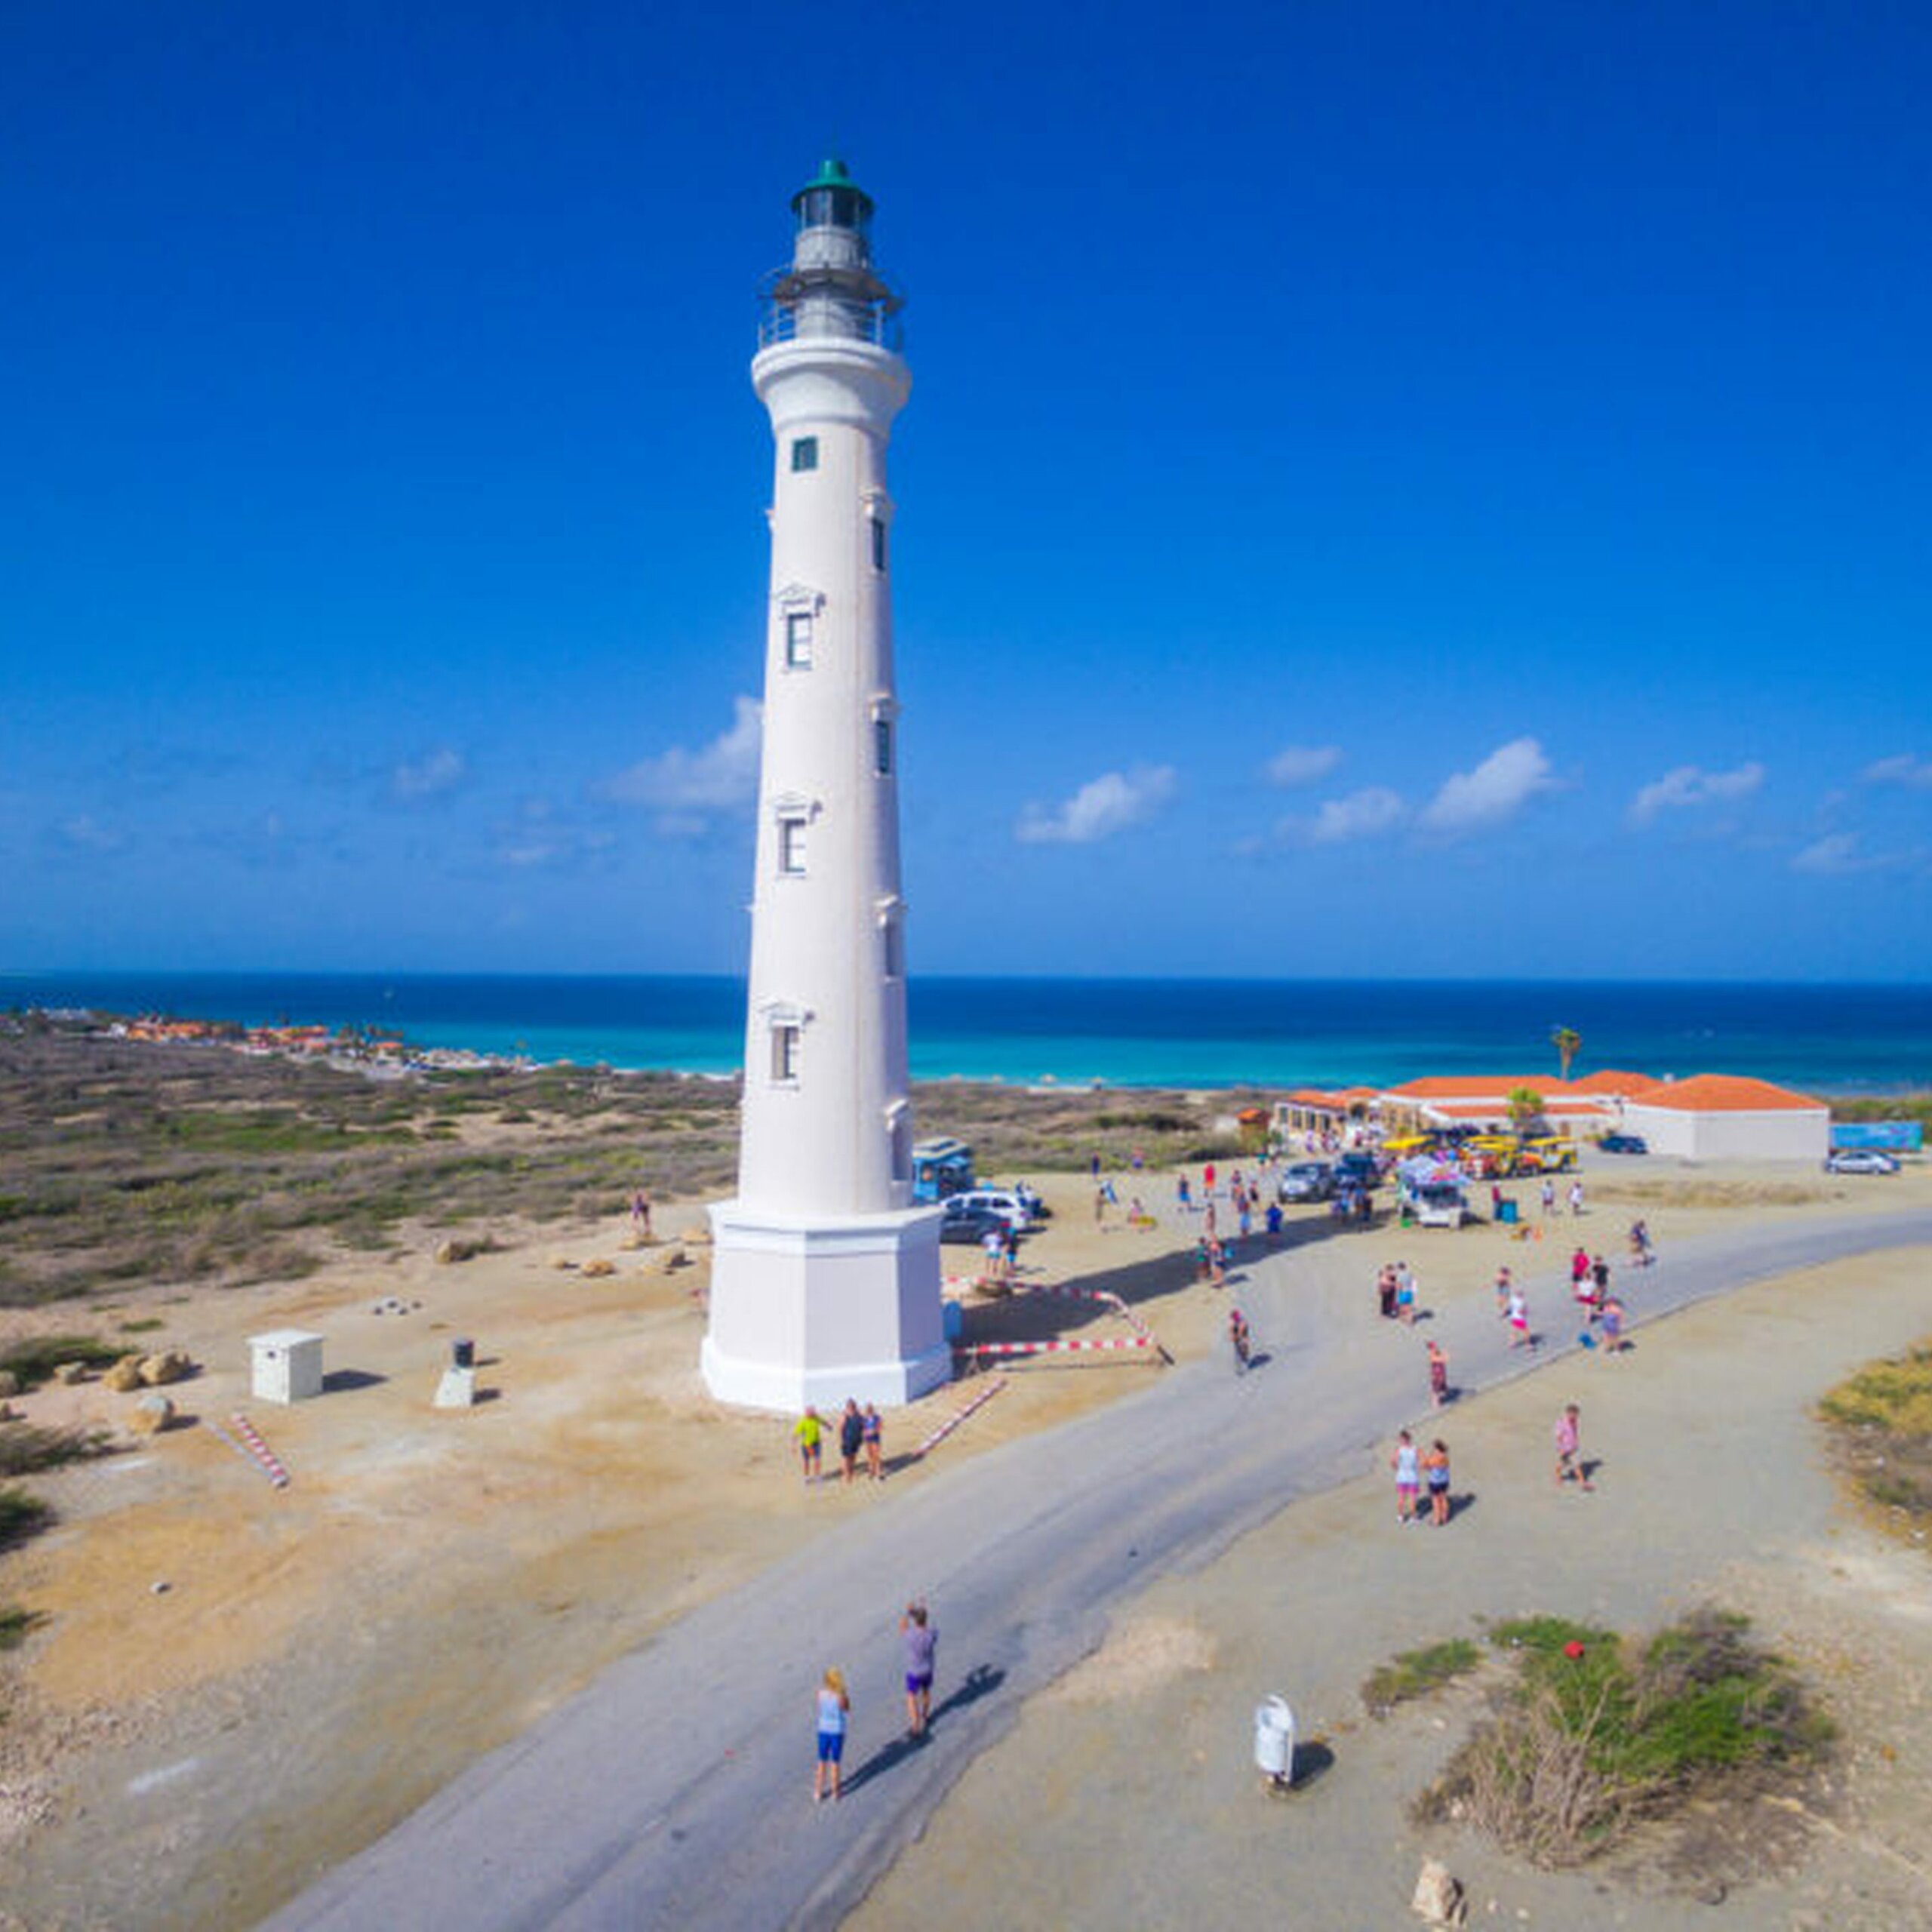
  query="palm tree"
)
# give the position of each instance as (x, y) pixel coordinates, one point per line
(1525, 1105)
(1566, 1040)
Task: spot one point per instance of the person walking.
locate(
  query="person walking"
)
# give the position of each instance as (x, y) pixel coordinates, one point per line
(1407, 1467)
(1548, 1197)
(1435, 1474)
(1238, 1336)
(875, 1443)
(921, 1637)
(1405, 1295)
(809, 1432)
(1612, 1326)
(834, 1708)
(1519, 1320)
(1577, 1196)
(1569, 1435)
(851, 1438)
(1439, 1376)
(640, 1215)
(1504, 1284)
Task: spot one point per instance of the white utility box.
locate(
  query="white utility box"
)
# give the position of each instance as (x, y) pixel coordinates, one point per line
(288, 1365)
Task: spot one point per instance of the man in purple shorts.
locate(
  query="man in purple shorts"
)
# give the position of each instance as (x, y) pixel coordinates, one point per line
(922, 1644)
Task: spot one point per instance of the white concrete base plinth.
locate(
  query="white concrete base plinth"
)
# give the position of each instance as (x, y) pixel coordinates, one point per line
(807, 1310)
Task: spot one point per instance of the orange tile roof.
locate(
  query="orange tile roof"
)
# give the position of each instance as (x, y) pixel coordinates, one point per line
(1610, 1081)
(1464, 1086)
(1726, 1093)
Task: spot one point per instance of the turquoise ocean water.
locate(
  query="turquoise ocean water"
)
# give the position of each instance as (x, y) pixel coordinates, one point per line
(1126, 1032)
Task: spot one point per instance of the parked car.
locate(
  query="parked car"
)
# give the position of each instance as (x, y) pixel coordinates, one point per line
(971, 1225)
(1624, 1144)
(1859, 1161)
(1015, 1206)
(1306, 1181)
(1358, 1170)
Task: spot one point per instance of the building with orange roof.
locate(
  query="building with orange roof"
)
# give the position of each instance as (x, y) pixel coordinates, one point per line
(1714, 1116)
(1728, 1117)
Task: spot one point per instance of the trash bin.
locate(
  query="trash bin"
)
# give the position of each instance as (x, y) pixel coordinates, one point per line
(1505, 1210)
(953, 1320)
(1275, 1740)
(463, 1353)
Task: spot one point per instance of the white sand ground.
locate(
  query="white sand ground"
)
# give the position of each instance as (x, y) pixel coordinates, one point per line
(323, 1658)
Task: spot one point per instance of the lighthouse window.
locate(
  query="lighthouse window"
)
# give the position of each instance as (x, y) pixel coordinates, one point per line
(791, 846)
(878, 543)
(894, 948)
(804, 453)
(882, 746)
(785, 1053)
(798, 640)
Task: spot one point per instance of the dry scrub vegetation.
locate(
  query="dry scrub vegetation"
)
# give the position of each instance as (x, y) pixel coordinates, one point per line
(1593, 1735)
(125, 1164)
(1881, 1420)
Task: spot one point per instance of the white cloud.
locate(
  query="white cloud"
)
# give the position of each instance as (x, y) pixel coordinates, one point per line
(721, 776)
(1833, 856)
(89, 835)
(1497, 790)
(1363, 814)
(1302, 764)
(1690, 786)
(1101, 808)
(539, 838)
(1837, 855)
(439, 771)
(1903, 770)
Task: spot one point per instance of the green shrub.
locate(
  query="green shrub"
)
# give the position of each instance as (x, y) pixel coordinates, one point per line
(25, 1448)
(15, 1624)
(1415, 1673)
(34, 1360)
(21, 1516)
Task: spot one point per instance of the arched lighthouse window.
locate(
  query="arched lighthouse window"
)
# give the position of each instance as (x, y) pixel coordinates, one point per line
(878, 542)
(804, 452)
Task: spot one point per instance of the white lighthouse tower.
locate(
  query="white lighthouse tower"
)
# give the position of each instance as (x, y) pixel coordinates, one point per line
(825, 1277)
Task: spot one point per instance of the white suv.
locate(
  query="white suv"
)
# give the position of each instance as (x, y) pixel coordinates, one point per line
(1014, 1206)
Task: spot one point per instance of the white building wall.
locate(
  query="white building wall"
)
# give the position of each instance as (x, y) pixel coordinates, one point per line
(1779, 1134)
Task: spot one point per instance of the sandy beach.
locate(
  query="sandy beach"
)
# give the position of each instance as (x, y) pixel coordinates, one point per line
(234, 1685)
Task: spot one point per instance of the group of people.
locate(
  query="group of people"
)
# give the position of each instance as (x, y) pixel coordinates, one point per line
(1415, 1469)
(861, 1432)
(1395, 1294)
(919, 1637)
(1422, 1476)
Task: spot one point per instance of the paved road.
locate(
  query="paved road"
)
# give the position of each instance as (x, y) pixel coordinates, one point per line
(676, 1790)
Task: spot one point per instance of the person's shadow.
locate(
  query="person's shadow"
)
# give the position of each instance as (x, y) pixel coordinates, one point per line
(981, 1681)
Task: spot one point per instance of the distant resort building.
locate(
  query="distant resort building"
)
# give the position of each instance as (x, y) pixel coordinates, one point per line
(1712, 1117)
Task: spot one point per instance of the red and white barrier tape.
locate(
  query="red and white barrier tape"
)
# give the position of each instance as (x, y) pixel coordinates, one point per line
(959, 1416)
(1054, 1347)
(260, 1451)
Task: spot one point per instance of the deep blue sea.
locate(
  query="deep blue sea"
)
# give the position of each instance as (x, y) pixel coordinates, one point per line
(1126, 1033)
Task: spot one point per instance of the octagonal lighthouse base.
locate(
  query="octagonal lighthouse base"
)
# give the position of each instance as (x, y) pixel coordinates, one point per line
(809, 1310)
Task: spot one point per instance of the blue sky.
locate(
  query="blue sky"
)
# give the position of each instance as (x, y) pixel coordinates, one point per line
(1400, 489)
